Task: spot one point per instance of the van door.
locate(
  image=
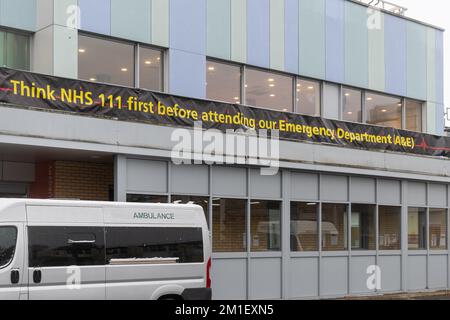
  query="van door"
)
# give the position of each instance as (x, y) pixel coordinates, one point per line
(12, 276)
(66, 263)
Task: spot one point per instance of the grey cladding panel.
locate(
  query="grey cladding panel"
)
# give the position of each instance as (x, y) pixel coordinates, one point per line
(437, 196)
(265, 186)
(417, 272)
(390, 273)
(437, 272)
(304, 186)
(190, 179)
(146, 176)
(389, 192)
(363, 190)
(334, 188)
(265, 278)
(417, 194)
(304, 278)
(231, 182)
(334, 277)
(229, 278)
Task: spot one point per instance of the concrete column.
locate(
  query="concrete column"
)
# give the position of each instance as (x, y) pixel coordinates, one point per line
(55, 43)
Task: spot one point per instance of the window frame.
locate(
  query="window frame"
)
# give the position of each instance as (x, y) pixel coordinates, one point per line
(15, 246)
(136, 59)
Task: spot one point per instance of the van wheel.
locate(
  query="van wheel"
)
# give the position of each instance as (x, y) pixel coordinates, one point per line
(170, 298)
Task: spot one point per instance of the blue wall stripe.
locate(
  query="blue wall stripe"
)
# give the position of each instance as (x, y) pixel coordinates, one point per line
(188, 25)
(258, 33)
(291, 36)
(440, 67)
(96, 16)
(335, 39)
(187, 74)
(395, 54)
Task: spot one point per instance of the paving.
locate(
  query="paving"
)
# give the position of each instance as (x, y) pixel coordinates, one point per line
(440, 295)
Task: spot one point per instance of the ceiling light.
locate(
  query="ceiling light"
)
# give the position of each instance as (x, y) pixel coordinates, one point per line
(399, 104)
(298, 90)
(369, 99)
(92, 79)
(211, 68)
(310, 87)
(271, 80)
(272, 95)
(81, 50)
(271, 85)
(148, 62)
(347, 94)
(124, 69)
(236, 98)
(246, 85)
(384, 110)
(350, 113)
(158, 58)
(285, 110)
(299, 85)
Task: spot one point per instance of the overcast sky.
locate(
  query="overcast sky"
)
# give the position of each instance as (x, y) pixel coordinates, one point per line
(435, 12)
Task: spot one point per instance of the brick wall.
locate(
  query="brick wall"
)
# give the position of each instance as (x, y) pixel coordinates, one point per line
(73, 180)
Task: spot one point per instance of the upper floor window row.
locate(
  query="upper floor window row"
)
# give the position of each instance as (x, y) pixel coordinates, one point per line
(14, 50)
(266, 89)
(113, 62)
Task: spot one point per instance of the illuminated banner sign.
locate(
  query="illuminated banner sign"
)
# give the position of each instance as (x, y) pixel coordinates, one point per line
(80, 97)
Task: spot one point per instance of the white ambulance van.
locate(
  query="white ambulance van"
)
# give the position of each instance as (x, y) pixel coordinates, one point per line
(76, 250)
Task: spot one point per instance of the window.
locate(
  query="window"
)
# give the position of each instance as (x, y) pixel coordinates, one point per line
(143, 198)
(352, 109)
(229, 225)
(413, 115)
(417, 229)
(8, 239)
(268, 90)
(384, 110)
(389, 228)
(304, 227)
(363, 227)
(265, 225)
(150, 69)
(176, 245)
(201, 201)
(308, 97)
(14, 50)
(66, 246)
(334, 227)
(223, 82)
(438, 229)
(105, 61)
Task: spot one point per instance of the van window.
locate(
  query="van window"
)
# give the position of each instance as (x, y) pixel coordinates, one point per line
(171, 245)
(8, 238)
(66, 246)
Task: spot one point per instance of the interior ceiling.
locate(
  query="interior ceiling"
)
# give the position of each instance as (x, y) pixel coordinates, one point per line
(32, 154)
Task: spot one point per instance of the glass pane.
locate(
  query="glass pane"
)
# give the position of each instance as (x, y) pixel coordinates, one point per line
(17, 51)
(438, 229)
(352, 110)
(201, 201)
(150, 69)
(363, 227)
(384, 110)
(308, 97)
(229, 225)
(390, 228)
(8, 238)
(334, 227)
(268, 90)
(153, 245)
(413, 115)
(105, 61)
(223, 82)
(304, 227)
(2, 48)
(417, 229)
(143, 198)
(265, 225)
(66, 246)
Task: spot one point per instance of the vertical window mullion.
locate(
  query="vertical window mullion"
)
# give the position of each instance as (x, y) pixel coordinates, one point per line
(137, 79)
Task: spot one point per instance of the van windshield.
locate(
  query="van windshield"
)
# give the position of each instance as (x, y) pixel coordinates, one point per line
(8, 238)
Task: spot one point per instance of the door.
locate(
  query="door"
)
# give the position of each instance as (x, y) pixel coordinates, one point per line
(13, 280)
(66, 263)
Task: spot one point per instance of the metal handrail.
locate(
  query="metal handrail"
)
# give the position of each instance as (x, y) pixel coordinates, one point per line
(386, 5)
